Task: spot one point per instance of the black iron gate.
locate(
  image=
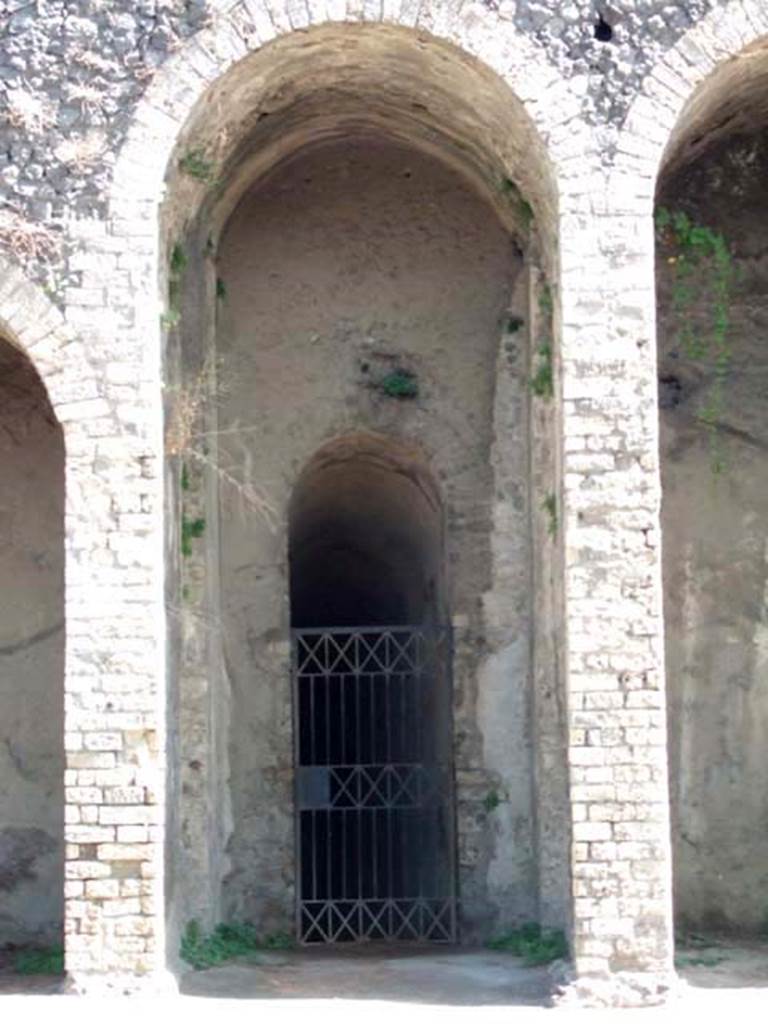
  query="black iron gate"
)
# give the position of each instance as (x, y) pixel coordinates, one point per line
(374, 784)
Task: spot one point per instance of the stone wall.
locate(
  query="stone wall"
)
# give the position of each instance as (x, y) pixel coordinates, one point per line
(100, 106)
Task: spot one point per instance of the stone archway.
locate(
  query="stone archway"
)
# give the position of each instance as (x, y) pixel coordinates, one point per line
(351, 177)
(110, 488)
(600, 622)
(700, 116)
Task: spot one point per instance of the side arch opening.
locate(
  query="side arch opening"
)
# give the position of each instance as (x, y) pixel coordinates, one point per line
(31, 665)
(712, 281)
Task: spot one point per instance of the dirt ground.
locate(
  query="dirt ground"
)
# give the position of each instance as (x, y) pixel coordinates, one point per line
(723, 963)
(713, 972)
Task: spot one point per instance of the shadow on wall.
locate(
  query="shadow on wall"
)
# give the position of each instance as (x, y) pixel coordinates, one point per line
(366, 538)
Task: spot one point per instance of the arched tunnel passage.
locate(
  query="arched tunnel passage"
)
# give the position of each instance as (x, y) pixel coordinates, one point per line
(712, 283)
(372, 698)
(31, 660)
(365, 538)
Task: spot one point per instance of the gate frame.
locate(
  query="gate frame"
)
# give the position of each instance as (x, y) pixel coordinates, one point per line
(453, 900)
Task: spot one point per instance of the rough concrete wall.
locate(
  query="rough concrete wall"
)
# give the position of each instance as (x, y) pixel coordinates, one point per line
(500, 835)
(347, 263)
(196, 764)
(31, 658)
(716, 554)
(547, 653)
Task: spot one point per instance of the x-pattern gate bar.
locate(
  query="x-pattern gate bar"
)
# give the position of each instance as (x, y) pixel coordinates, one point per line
(374, 784)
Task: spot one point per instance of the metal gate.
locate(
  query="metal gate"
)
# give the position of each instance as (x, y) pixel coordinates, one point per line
(374, 784)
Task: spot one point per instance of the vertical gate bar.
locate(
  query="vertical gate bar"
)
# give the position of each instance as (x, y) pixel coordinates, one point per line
(403, 749)
(419, 759)
(328, 890)
(312, 759)
(446, 636)
(405, 818)
(327, 681)
(388, 777)
(358, 738)
(374, 851)
(328, 812)
(295, 692)
(343, 680)
(390, 888)
(343, 813)
(343, 699)
(371, 717)
(359, 823)
(357, 788)
(313, 834)
(388, 716)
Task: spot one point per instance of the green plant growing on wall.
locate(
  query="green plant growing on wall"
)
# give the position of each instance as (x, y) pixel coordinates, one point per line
(191, 529)
(400, 384)
(543, 380)
(226, 942)
(536, 945)
(278, 940)
(170, 318)
(48, 960)
(491, 801)
(517, 200)
(549, 504)
(702, 269)
(195, 164)
(177, 263)
(542, 383)
(512, 324)
(546, 302)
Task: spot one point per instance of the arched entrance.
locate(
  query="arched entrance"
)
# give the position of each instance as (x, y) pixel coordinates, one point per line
(355, 269)
(372, 698)
(713, 381)
(31, 660)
